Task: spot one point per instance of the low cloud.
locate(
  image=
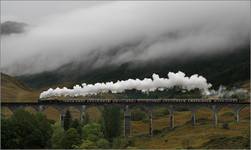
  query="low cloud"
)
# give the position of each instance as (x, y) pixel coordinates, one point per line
(12, 27)
(121, 32)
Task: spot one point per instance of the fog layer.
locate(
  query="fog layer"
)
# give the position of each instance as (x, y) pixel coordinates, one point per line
(121, 32)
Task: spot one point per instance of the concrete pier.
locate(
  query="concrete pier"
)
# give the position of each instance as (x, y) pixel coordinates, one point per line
(171, 118)
(150, 122)
(193, 119)
(61, 118)
(215, 110)
(127, 121)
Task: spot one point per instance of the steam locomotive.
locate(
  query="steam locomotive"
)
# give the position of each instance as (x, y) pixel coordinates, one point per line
(138, 100)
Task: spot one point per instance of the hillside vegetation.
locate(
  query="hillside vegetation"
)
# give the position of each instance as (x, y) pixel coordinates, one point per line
(14, 90)
(184, 135)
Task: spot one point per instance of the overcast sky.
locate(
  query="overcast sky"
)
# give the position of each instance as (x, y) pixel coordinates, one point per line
(112, 33)
(33, 12)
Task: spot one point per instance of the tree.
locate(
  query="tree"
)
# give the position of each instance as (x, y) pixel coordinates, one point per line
(8, 136)
(71, 139)
(92, 132)
(111, 123)
(119, 143)
(43, 127)
(87, 144)
(85, 118)
(103, 144)
(57, 136)
(75, 124)
(67, 120)
(25, 130)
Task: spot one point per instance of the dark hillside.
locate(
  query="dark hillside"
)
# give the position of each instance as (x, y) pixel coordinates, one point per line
(225, 68)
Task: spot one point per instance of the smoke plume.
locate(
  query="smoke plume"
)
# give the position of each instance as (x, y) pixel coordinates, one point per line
(146, 85)
(223, 92)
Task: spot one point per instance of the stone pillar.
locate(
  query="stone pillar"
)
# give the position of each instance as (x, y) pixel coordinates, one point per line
(61, 119)
(215, 118)
(215, 115)
(193, 117)
(237, 115)
(237, 109)
(127, 121)
(171, 117)
(40, 108)
(82, 113)
(150, 123)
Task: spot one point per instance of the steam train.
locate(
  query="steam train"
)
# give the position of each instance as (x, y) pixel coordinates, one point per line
(138, 101)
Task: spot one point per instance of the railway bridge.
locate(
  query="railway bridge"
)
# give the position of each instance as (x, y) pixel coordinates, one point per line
(172, 105)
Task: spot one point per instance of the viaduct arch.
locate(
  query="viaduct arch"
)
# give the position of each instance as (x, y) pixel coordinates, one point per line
(172, 104)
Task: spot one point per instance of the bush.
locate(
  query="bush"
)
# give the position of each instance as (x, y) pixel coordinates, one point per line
(111, 123)
(225, 126)
(57, 136)
(137, 115)
(221, 142)
(87, 144)
(67, 120)
(156, 131)
(71, 138)
(160, 111)
(119, 143)
(103, 143)
(75, 124)
(92, 132)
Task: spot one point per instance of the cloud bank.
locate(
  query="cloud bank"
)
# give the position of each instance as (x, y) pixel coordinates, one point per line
(146, 85)
(121, 32)
(11, 27)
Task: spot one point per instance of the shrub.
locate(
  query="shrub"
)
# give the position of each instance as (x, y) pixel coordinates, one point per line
(137, 115)
(87, 144)
(103, 143)
(111, 123)
(92, 132)
(70, 139)
(67, 120)
(225, 126)
(120, 143)
(57, 136)
(156, 131)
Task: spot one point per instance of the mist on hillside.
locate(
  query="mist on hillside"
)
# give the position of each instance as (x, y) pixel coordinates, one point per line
(127, 32)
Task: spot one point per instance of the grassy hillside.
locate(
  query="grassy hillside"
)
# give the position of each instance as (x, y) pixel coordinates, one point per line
(14, 90)
(203, 135)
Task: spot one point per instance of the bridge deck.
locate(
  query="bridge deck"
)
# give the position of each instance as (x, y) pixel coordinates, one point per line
(128, 101)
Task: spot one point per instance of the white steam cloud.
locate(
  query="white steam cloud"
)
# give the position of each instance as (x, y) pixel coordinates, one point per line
(146, 85)
(129, 31)
(223, 92)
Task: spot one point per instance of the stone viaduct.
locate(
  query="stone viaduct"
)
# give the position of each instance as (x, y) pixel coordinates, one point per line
(193, 105)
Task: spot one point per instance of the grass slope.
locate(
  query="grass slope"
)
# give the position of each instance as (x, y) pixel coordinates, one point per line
(202, 136)
(13, 90)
